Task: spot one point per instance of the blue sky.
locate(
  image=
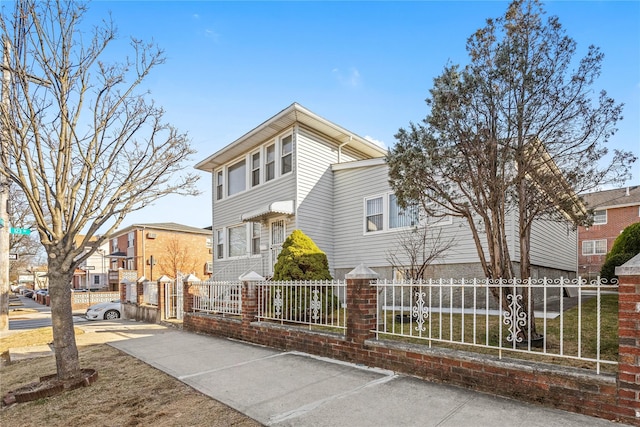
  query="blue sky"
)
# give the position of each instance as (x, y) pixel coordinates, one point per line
(367, 66)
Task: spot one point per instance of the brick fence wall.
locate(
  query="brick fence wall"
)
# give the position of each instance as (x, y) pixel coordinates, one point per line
(571, 389)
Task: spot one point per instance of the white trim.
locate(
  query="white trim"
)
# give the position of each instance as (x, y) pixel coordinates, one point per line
(378, 161)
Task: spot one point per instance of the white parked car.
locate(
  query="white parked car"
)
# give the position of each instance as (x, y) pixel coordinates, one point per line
(104, 311)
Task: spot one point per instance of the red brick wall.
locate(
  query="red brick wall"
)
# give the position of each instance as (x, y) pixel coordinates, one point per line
(617, 220)
(565, 388)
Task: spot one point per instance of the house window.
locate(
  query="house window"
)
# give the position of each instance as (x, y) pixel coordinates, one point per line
(600, 217)
(96, 279)
(399, 217)
(594, 247)
(270, 165)
(220, 243)
(130, 239)
(255, 238)
(219, 185)
(209, 243)
(286, 154)
(114, 245)
(237, 240)
(236, 177)
(374, 214)
(255, 169)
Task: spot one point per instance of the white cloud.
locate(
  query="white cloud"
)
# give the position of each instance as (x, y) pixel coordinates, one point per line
(375, 141)
(351, 78)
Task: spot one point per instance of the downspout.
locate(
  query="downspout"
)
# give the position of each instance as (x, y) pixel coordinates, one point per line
(340, 148)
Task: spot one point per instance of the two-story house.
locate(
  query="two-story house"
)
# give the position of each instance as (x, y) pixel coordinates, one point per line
(298, 170)
(613, 211)
(153, 250)
(93, 272)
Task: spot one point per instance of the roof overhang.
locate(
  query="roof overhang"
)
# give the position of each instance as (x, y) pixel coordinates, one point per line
(285, 119)
(284, 207)
(116, 255)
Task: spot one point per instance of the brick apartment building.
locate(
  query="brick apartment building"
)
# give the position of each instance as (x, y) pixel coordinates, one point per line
(613, 211)
(153, 250)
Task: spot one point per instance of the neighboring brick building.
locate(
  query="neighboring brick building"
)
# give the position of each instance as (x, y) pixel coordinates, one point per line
(613, 211)
(153, 250)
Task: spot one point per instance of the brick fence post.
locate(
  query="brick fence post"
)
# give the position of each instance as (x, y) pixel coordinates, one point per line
(162, 303)
(629, 340)
(123, 290)
(187, 295)
(140, 290)
(362, 304)
(249, 300)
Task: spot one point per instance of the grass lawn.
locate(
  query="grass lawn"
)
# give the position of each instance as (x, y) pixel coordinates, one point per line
(488, 332)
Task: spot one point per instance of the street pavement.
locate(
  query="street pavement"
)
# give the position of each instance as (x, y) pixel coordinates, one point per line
(287, 388)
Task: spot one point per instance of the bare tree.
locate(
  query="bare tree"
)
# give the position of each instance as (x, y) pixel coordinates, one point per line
(516, 131)
(27, 247)
(86, 146)
(176, 259)
(418, 248)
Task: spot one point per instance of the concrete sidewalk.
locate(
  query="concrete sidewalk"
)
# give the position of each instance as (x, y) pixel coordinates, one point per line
(294, 389)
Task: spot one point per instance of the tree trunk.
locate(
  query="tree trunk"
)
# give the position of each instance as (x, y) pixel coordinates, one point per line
(64, 338)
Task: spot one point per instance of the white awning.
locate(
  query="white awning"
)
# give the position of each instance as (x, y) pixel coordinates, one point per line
(284, 207)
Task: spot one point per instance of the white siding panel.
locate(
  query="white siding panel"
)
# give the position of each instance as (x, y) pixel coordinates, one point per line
(315, 190)
(353, 246)
(554, 244)
(228, 210)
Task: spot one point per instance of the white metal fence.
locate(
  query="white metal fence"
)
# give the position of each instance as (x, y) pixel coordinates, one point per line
(173, 299)
(150, 293)
(499, 314)
(217, 297)
(312, 303)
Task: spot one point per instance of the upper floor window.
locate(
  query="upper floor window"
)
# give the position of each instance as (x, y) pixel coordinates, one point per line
(236, 177)
(594, 247)
(114, 245)
(255, 169)
(219, 185)
(286, 154)
(130, 239)
(600, 217)
(209, 243)
(270, 163)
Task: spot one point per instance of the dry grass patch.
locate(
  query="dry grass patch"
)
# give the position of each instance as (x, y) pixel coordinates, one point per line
(127, 393)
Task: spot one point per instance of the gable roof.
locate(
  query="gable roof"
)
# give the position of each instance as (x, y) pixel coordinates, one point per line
(617, 198)
(295, 113)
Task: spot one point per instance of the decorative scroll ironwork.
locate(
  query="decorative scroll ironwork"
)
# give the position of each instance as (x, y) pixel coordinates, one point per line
(277, 302)
(420, 312)
(515, 317)
(315, 305)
